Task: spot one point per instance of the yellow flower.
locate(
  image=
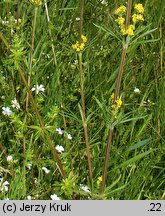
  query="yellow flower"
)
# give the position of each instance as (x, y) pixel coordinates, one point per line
(139, 8)
(120, 10)
(120, 20)
(78, 47)
(118, 103)
(99, 180)
(137, 17)
(37, 2)
(129, 31)
(81, 46)
(84, 38)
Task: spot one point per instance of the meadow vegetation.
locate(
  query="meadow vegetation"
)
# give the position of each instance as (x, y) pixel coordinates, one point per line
(82, 94)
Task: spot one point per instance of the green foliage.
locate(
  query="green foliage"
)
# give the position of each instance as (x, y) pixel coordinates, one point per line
(136, 164)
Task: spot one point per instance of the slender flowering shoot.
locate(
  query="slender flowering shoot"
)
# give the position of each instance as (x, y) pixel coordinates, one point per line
(136, 17)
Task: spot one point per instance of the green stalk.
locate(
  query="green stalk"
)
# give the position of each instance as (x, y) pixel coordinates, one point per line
(84, 116)
(31, 52)
(85, 127)
(117, 90)
(50, 34)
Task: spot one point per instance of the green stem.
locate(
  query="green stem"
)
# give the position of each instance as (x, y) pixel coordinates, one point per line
(117, 90)
(50, 34)
(84, 117)
(81, 19)
(31, 52)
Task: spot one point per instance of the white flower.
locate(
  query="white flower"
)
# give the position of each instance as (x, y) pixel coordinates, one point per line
(69, 136)
(137, 91)
(9, 158)
(29, 166)
(6, 198)
(6, 183)
(6, 111)
(54, 197)
(15, 104)
(84, 188)
(59, 131)
(38, 88)
(104, 2)
(77, 18)
(29, 197)
(45, 170)
(59, 148)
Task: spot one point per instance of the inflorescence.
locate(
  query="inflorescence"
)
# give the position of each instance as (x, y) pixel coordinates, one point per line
(136, 17)
(79, 46)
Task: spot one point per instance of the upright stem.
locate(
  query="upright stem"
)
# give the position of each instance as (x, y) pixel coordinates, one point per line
(84, 117)
(117, 90)
(50, 34)
(82, 94)
(31, 52)
(81, 19)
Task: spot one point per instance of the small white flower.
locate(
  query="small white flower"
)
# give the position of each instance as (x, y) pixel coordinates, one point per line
(69, 136)
(137, 91)
(77, 18)
(29, 166)
(29, 197)
(38, 88)
(45, 170)
(104, 2)
(6, 111)
(84, 188)
(15, 104)
(9, 158)
(59, 148)
(59, 131)
(54, 197)
(6, 198)
(6, 183)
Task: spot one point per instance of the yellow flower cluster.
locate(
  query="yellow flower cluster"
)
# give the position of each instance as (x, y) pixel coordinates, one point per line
(122, 9)
(139, 8)
(129, 31)
(120, 21)
(37, 2)
(99, 180)
(80, 46)
(118, 103)
(115, 105)
(135, 18)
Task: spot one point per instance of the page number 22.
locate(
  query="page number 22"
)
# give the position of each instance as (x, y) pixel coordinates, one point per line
(155, 207)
